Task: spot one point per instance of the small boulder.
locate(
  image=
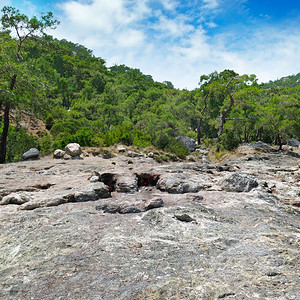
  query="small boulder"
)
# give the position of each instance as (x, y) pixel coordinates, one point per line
(154, 203)
(238, 182)
(188, 142)
(73, 149)
(32, 153)
(58, 154)
(121, 149)
(94, 179)
(150, 155)
(16, 198)
(293, 142)
(126, 184)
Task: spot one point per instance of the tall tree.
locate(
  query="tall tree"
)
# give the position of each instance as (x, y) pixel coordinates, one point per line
(12, 68)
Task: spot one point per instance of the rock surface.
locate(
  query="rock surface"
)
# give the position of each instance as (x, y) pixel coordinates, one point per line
(64, 237)
(188, 142)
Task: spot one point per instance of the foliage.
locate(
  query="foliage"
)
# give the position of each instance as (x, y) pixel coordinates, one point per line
(81, 100)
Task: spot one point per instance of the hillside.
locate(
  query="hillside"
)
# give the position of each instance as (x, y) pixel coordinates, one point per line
(80, 100)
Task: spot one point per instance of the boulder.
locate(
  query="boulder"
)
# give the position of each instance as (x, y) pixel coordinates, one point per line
(73, 149)
(121, 149)
(126, 184)
(293, 142)
(32, 153)
(16, 198)
(238, 182)
(181, 183)
(92, 192)
(58, 154)
(188, 142)
(154, 203)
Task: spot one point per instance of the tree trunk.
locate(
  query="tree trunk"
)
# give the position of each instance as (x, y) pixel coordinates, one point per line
(199, 131)
(221, 126)
(6, 124)
(4, 134)
(279, 141)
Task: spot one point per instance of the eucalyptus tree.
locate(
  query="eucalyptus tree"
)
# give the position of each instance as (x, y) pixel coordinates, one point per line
(18, 84)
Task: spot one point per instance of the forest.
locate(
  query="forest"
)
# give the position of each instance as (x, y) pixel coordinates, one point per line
(80, 99)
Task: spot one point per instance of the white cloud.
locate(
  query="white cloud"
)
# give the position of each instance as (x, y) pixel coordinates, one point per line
(5, 3)
(176, 49)
(210, 4)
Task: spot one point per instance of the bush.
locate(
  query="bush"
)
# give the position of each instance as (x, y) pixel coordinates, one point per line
(177, 148)
(18, 142)
(229, 140)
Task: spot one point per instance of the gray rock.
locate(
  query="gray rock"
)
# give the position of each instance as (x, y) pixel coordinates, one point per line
(126, 184)
(17, 198)
(184, 218)
(180, 183)
(188, 142)
(94, 179)
(121, 149)
(32, 153)
(58, 154)
(293, 142)
(154, 203)
(150, 154)
(67, 156)
(238, 182)
(73, 149)
(92, 192)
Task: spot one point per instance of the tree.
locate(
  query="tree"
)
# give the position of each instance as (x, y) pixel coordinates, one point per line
(13, 70)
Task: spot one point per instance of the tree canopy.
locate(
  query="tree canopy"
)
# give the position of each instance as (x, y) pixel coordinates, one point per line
(80, 99)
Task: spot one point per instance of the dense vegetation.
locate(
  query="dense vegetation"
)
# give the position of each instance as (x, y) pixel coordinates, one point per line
(81, 100)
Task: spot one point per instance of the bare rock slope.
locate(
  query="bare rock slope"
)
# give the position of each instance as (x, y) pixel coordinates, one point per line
(123, 228)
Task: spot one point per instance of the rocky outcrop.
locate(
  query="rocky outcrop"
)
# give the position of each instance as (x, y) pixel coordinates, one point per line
(182, 230)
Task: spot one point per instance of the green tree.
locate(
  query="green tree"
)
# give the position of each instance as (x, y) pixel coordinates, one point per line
(16, 76)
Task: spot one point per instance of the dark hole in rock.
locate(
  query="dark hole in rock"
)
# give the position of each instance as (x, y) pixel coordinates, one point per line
(146, 179)
(110, 180)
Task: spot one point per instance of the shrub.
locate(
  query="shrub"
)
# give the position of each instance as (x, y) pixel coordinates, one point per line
(18, 142)
(177, 148)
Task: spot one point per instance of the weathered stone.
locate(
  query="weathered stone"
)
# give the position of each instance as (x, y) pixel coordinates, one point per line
(32, 153)
(73, 149)
(126, 184)
(150, 154)
(17, 198)
(154, 203)
(92, 192)
(58, 154)
(180, 184)
(64, 249)
(184, 218)
(121, 149)
(293, 142)
(188, 142)
(94, 179)
(238, 182)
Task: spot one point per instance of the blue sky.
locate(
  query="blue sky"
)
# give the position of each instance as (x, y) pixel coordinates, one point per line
(178, 41)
